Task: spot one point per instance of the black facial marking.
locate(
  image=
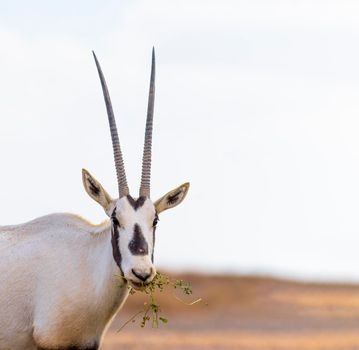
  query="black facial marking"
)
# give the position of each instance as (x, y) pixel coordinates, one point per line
(135, 204)
(172, 199)
(138, 244)
(155, 221)
(153, 240)
(114, 240)
(93, 188)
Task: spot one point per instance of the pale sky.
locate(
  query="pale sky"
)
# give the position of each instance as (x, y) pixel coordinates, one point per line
(257, 105)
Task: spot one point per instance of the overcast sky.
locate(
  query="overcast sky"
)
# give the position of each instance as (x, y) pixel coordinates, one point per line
(257, 105)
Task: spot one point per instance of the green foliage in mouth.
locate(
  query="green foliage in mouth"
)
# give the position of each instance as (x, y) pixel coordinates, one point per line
(151, 312)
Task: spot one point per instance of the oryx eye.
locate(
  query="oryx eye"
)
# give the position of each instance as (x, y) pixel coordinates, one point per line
(155, 221)
(115, 220)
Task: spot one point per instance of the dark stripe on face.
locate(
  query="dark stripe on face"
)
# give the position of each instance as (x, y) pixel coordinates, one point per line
(153, 240)
(135, 204)
(114, 240)
(138, 244)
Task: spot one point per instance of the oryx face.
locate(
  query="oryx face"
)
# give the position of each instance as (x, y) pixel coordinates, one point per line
(133, 225)
(133, 220)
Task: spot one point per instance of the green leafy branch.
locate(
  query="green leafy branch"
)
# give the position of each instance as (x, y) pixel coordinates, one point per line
(152, 310)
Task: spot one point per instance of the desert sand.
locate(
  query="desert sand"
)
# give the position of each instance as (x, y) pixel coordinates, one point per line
(251, 313)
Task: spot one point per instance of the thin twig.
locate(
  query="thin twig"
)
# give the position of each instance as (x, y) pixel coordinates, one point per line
(130, 320)
(188, 304)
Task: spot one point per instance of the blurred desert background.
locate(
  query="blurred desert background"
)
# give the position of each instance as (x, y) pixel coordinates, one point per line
(246, 313)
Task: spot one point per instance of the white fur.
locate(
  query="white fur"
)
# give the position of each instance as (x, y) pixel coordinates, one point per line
(59, 283)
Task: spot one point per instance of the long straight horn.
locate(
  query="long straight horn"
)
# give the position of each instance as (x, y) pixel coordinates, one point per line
(146, 160)
(120, 168)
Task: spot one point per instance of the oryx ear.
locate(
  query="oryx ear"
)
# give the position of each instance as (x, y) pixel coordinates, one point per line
(97, 192)
(172, 198)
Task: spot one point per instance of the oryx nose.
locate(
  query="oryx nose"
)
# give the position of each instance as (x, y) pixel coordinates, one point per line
(142, 275)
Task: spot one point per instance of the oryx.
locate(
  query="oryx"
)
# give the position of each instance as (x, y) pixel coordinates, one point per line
(62, 279)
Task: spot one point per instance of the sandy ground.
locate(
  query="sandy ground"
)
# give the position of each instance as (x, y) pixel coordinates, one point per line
(246, 313)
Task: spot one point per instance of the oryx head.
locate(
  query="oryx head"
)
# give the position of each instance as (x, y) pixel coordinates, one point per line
(133, 220)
